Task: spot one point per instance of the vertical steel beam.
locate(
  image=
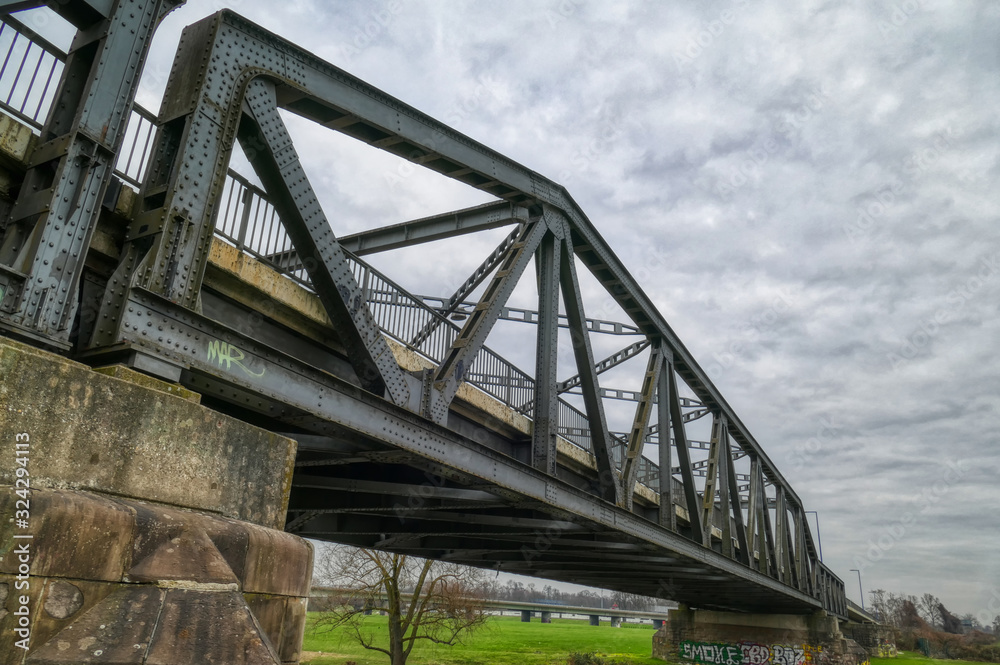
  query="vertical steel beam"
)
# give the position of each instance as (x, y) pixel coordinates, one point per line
(736, 504)
(640, 424)
(684, 458)
(668, 514)
(46, 238)
(801, 562)
(781, 539)
(608, 484)
(769, 537)
(758, 526)
(722, 452)
(546, 410)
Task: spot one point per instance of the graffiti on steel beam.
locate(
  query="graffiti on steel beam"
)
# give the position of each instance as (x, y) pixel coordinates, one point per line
(228, 355)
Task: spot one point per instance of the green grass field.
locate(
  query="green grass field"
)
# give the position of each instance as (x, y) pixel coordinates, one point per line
(917, 658)
(507, 641)
(504, 641)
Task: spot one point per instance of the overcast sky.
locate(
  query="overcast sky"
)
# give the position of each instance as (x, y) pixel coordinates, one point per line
(806, 190)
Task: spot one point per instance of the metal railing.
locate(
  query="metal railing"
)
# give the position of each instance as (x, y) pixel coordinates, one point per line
(29, 77)
(30, 72)
(133, 157)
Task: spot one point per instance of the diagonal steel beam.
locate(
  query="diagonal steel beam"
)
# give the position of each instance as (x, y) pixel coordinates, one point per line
(711, 480)
(614, 360)
(640, 425)
(600, 439)
(273, 157)
(684, 458)
(477, 328)
(475, 279)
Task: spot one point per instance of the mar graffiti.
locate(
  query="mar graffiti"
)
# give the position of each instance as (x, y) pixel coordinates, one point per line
(750, 653)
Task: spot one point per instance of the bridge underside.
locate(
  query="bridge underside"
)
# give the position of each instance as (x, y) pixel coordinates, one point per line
(413, 435)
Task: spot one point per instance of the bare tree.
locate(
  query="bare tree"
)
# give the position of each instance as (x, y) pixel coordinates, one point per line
(424, 600)
(929, 609)
(631, 601)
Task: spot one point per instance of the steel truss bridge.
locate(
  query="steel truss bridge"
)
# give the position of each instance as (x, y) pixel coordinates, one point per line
(130, 240)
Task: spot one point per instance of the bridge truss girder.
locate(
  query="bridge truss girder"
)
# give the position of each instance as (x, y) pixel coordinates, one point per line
(228, 82)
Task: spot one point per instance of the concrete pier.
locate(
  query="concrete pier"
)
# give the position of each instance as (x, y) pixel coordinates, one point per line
(724, 638)
(151, 533)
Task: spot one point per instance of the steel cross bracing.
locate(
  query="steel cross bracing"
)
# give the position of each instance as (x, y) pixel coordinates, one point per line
(391, 456)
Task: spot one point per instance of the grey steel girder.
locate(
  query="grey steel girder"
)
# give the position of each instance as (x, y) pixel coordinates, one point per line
(468, 286)
(81, 13)
(328, 95)
(167, 248)
(600, 439)
(640, 424)
(667, 514)
(45, 240)
(545, 411)
(437, 227)
(614, 360)
(267, 143)
(211, 349)
(469, 342)
(522, 315)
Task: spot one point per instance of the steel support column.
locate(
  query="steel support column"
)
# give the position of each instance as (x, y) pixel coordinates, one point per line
(46, 238)
(545, 413)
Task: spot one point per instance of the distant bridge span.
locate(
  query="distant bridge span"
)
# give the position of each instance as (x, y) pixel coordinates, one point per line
(414, 436)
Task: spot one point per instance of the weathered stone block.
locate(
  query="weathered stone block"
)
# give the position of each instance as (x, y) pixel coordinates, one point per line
(277, 562)
(293, 630)
(138, 378)
(172, 544)
(198, 627)
(116, 630)
(96, 432)
(269, 611)
(183, 558)
(76, 534)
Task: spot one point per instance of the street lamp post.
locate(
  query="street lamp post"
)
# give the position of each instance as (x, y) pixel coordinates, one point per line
(819, 539)
(855, 570)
